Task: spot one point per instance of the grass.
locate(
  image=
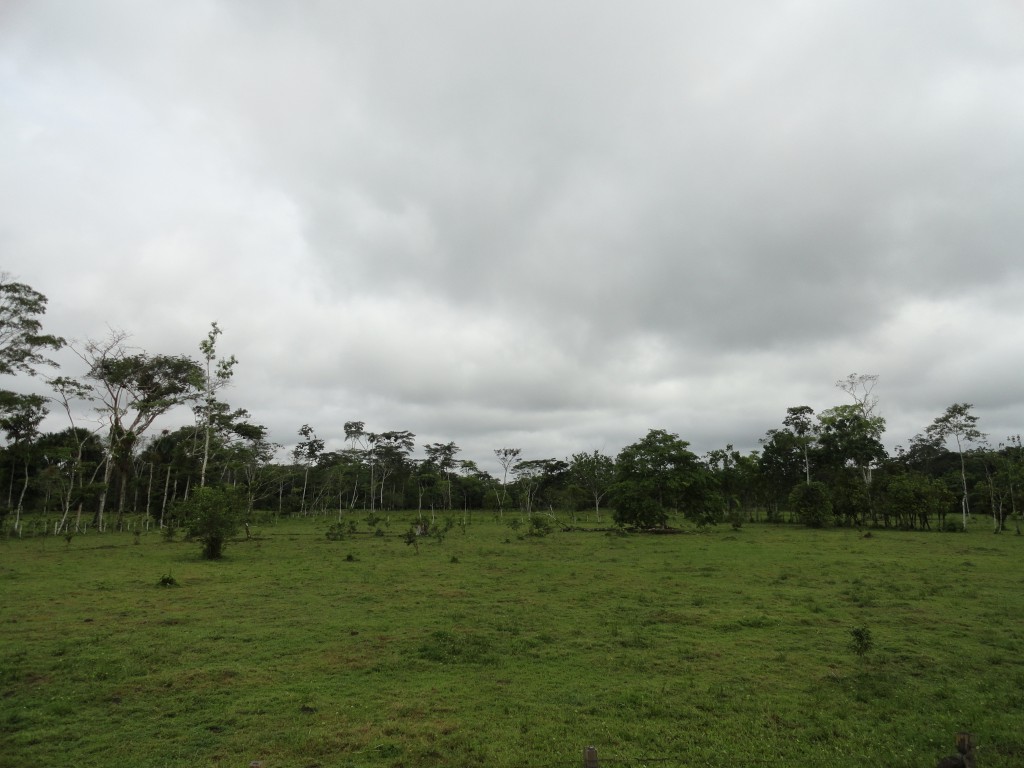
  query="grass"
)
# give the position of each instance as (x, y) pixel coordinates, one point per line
(719, 648)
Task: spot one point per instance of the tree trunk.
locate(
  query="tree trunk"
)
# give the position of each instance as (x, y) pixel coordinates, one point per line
(163, 504)
(149, 491)
(206, 452)
(108, 470)
(21, 500)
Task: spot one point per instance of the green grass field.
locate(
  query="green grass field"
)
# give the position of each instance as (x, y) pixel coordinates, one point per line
(721, 648)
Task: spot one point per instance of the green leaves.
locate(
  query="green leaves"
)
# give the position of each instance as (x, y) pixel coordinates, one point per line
(21, 339)
(658, 474)
(213, 515)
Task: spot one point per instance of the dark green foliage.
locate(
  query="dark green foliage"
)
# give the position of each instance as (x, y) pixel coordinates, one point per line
(860, 640)
(167, 580)
(811, 503)
(540, 526)
(412, 538)
(658, 475)
(913, 498)
(213, 516)
(336, 532)
(22, 342)
(850, 497)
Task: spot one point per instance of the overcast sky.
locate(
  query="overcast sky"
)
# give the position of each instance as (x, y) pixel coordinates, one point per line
(545, 225)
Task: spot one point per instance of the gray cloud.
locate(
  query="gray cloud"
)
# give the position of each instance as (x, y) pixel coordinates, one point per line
(554, 225)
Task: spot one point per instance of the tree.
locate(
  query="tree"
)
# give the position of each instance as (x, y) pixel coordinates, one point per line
(22, 343)
(959, 423)
(213, 516)
(531, 478)
(849, 440)
(389, 452)
(131, 390)
(307, 452)
(507, 458)
(251, 453)
(861, 387)
(915, 497)
(594, 473)
(442, 457)
(658, 474)
(800, 423)
(217, 375)
(355, 436)
(20, 417)
(780, 467)
(68, 456)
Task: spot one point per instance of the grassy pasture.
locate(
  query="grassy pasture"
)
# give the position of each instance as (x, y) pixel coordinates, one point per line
(722, 648)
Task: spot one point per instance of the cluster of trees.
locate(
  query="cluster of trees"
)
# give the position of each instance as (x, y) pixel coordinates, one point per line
(820, 468)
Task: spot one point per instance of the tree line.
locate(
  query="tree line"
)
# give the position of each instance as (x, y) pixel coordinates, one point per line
(113, 461)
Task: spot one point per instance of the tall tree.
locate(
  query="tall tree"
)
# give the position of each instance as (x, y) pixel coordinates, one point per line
(217, 374)
(22, 342)
(507, 458)
(800, 420)
(861, 387)
(960, 424)
(130, 390)
(595, 474)
(849, 449)
(780, 467)
(20, 417)
(69, 461)
(307, 452)
(531, 477)
(658, 474)
(355, 436)
(390, 452)
(442, 456)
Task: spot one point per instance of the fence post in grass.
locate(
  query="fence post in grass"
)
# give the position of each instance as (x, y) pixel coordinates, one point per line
(590, 757)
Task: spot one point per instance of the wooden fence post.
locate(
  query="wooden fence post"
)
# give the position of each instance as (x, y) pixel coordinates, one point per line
(590, 757)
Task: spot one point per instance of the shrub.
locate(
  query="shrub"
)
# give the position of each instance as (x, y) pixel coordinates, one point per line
(860, 640)
(336, 532)
(412, 538)
(214, 515)
(540, 526)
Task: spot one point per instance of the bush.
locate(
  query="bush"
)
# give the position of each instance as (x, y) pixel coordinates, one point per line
(860, 640)
(811, 503)
(213, 515)
(540, 526)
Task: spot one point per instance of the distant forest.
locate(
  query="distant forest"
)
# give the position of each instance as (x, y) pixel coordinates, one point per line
(114, 463)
